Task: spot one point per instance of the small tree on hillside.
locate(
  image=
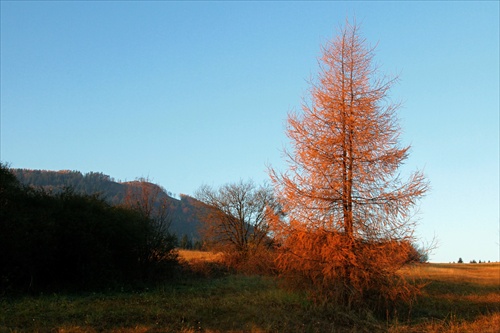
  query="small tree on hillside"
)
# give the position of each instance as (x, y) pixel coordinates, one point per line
(151, 202)
(349, 212)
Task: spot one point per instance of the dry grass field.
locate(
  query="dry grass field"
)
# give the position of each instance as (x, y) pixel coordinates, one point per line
(485, 274)
(193, 255)
(456, 298)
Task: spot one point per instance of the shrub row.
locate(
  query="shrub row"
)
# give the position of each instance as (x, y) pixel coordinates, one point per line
(70, 241)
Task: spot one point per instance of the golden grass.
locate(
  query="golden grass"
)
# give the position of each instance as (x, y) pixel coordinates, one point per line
(457, 298)
(193, 255)
(484, 274)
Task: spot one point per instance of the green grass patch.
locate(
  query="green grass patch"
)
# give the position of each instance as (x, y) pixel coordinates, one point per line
(467, 302)
(227, 304)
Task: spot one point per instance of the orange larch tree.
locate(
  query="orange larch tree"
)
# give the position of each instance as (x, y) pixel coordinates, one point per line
(349, 213)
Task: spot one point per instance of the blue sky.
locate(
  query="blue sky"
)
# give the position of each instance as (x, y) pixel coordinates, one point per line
(192, 93)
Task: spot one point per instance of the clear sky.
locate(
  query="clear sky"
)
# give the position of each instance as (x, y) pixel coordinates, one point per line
(192, 93)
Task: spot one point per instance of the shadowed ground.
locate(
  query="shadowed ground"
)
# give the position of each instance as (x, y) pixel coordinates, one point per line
(457, 298)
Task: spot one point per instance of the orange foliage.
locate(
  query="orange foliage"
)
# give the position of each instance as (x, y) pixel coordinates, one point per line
(348, 211)
(333, 270)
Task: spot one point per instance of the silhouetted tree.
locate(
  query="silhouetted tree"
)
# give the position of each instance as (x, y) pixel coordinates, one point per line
(236, 217)
(185, 243)
(198, 245)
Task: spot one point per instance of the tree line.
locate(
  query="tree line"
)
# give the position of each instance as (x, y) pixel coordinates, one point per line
(72, 241)
(183, 218)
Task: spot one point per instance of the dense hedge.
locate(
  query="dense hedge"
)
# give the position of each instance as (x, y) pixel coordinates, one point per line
(71, 241)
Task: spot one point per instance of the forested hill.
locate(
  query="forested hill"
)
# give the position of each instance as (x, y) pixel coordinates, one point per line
(184, 220)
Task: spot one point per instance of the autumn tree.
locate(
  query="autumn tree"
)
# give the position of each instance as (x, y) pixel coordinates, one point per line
(349, 212)
(236, 217)
(151, 201)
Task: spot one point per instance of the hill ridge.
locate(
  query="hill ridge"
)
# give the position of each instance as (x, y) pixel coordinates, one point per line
(184, 220)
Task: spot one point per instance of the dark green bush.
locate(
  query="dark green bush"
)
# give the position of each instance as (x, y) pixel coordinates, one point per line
(76, 242)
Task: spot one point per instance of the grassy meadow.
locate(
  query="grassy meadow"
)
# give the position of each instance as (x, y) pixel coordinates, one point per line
(456, 298)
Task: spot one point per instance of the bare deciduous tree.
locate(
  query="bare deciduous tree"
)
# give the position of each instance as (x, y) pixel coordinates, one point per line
(349, 212)
(236, 215)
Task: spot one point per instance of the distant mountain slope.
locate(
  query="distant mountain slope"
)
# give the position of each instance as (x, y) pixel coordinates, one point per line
(184, 220)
